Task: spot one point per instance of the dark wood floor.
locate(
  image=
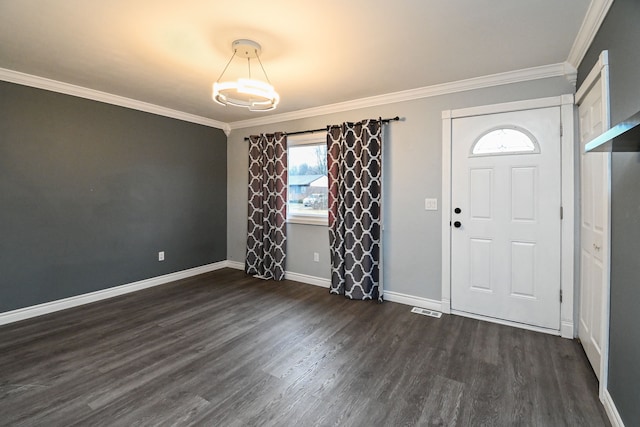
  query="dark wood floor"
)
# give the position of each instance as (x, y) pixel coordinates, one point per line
(225, 349)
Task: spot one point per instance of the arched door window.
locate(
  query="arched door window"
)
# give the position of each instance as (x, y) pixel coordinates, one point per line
(505, 140)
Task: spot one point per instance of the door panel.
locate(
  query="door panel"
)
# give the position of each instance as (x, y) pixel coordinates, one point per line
(523, 194)
(480, 264)
(523, 269)
(505, 256)
(593, 229)
(480, 182)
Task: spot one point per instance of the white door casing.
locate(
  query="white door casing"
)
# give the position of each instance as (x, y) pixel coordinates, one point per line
(510, 215)
(595, 175)
(505, 260)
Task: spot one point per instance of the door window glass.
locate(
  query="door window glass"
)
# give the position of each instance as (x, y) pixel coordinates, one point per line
(505, 140)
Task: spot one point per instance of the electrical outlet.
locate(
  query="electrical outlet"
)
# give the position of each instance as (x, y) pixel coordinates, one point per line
(161, 256)
(316, 257)
(430, 204)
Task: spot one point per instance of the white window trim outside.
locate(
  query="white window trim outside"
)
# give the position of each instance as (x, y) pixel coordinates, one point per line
(297, 140)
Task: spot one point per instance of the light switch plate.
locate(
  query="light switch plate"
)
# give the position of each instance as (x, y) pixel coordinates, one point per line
(430, 204)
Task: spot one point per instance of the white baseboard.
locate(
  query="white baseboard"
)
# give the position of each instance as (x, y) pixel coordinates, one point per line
(446, 306)
(566, 330)
(290, 275)
(412, 300)
(62, 304)
(611, 410)
(235, 264)
(326, 283)
(304, 278)
(388, 295)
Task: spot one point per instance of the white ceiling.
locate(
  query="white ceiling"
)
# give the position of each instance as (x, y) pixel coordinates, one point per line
(316, 53)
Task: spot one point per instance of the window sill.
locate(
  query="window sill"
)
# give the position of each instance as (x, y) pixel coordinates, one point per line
(308, 220)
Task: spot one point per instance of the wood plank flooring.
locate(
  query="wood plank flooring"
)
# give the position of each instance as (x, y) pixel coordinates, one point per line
(225, 349)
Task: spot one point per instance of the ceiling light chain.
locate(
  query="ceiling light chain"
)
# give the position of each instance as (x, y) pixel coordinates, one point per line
(227, 66)
(263, 70)
(253, 94)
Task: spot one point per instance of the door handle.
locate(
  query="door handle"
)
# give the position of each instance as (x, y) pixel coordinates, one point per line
(457, 224)
(457, 210)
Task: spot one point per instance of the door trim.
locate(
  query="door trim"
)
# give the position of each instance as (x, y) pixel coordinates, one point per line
(566, 104)
(600, 71)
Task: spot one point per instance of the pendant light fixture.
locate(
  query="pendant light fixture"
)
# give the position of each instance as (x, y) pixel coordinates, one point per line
(256, 95)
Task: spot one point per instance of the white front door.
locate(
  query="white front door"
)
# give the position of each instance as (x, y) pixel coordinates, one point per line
(506, 224)
(594, 223)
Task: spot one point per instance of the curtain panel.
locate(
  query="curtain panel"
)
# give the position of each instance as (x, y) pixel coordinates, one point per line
(354, 164)
(267, 206)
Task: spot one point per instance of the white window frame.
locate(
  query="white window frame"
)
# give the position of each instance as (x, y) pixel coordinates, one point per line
(297, 140)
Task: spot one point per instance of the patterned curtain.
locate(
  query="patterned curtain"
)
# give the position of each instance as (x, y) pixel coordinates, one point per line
(354, 163)
(266, 228)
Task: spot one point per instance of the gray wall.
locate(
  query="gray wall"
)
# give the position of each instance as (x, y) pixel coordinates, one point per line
(90, 192)
(620, 34)
(412, 172)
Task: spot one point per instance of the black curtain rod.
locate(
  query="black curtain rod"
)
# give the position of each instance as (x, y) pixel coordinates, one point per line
(300, 132)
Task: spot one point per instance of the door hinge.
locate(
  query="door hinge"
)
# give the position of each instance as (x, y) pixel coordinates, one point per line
(561, 212)
(560, 296)
(561, 130)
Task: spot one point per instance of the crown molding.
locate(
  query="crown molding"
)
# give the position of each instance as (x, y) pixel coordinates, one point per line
(95, 95)
(554, 70)
(546, 71)
(599, 70)
(596, 13)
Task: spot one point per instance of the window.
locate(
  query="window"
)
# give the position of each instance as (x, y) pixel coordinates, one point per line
(308, 196)
(505, 140)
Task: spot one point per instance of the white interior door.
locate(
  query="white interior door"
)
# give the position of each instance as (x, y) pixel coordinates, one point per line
(594, 225)
(506, 224)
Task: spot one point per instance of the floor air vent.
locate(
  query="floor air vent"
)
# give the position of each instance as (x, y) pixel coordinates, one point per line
(426, 312)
